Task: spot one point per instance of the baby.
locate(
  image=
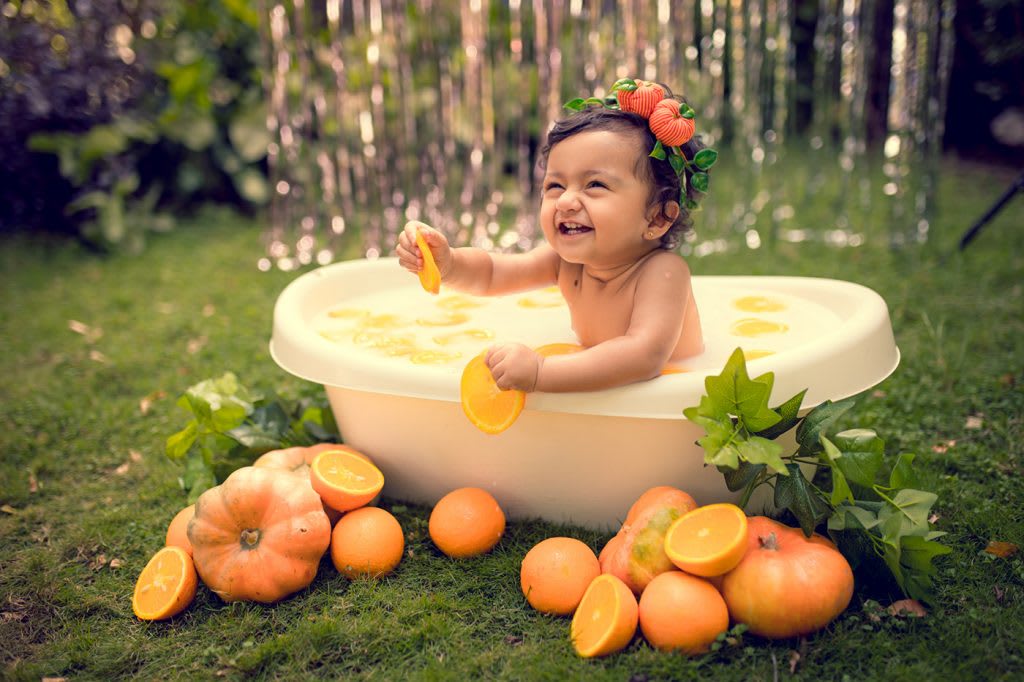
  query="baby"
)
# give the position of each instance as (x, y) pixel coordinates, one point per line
(612, 214)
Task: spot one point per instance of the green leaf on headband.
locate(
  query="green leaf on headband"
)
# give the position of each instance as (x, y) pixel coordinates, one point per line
(658, 152)
(700, 182)
(705, 158)
(627, 84)
(678, 163)
(691, 205)
(686, 111)
(611, 102)
(594, 100)
(578, 104)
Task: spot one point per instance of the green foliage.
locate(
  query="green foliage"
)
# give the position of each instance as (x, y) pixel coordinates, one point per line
(230, 426)
(890, 518)
(202, 124)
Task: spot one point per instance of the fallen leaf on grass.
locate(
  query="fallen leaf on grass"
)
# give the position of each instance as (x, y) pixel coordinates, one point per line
(513, 640)
(998, 592)
(974, 422)
(878, 394)
(1003, 550)
(8, 509)
(116, 563)
(940, 448)
(146, 403)
(33, 484)
(195, 345)
(907, 607)
(98, 562)
(91, 334)
(99, 357)
(209, 310)
(794, 660)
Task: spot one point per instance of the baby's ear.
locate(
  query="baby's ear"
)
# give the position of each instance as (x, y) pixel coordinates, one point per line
(662, 217)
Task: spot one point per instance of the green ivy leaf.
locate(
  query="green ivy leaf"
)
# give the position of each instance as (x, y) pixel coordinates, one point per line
(181, 442)
(677, 162)
(907, 514)
(840, 489)
(795, 493)
(852, 517)
(757, 450)
(700, 182)
(734, 392)
(197, 477)
(686, 111)
(903, 475)
(741, 476)
(788, 412)
(815, 423)
(658, 152)
(863, 454)
(578, 104)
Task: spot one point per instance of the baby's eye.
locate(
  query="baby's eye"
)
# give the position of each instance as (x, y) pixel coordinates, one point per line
(552, 185)
(598, 184)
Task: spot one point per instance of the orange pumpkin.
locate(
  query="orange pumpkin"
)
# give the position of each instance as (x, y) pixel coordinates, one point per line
(637, 552)
(259, 535)
(298, 460)
(787, 584)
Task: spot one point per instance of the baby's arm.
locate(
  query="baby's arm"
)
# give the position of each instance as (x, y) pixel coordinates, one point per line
(662, 293)
(475, 271)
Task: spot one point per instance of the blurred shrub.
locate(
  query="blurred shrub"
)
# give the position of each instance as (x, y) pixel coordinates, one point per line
(120, 113)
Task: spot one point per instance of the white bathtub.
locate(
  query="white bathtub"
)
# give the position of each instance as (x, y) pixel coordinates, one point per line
(581, 458)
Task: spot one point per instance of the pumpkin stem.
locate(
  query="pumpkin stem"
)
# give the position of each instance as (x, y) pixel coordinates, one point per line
(250, 538)
(770, 542)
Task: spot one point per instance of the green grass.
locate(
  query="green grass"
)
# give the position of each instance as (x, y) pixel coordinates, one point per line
(84, 481)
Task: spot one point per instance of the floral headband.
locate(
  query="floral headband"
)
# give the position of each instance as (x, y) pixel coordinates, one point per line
(670, 121)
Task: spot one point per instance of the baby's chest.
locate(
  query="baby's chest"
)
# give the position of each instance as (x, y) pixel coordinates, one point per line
(599, 312)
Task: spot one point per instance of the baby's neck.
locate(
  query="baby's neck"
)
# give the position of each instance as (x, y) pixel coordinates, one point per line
(608, 273)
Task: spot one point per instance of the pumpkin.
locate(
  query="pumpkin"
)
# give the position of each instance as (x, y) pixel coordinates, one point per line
(298, 459)
(637, 552)
(259, 535)
(787, 584)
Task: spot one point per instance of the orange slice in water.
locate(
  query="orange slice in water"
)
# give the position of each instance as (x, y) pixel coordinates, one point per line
(606, 619)
(430, 276)
(344, 480)
(549, 349)
(491, 409)
(708, 541)
(166, 585)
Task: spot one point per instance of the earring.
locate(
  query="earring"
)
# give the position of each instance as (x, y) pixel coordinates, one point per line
(650, 234)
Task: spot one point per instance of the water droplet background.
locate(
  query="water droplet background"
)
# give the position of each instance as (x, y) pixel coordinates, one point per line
(434, 110)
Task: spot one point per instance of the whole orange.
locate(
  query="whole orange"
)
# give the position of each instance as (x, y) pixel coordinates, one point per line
(367, 542)
(555, 574)
(466, 522)
(681, 611)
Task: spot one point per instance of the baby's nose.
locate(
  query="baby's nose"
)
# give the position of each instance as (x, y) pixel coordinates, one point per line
(568, 200)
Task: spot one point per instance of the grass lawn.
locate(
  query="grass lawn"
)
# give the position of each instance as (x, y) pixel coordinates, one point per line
(86, 490)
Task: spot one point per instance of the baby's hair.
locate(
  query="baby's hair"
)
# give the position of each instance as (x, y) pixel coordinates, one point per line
(659, 172)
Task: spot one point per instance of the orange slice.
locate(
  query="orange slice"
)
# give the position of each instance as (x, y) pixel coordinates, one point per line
(344, 480)
(549, 349)
(430, 276)
(491, 409)
(606, 619)
(673, 369)
(166, 585)
(709, 540)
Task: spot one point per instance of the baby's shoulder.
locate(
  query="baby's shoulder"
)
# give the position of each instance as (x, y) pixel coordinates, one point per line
(663, 262)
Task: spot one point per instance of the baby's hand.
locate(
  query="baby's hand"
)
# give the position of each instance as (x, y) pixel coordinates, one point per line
(514, 366)
(408, 252)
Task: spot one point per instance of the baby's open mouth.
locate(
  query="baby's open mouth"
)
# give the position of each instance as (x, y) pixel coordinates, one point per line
(573, 228)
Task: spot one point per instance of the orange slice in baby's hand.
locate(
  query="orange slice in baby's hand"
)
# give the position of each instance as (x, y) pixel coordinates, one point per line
(491, 409)
(430, 276)
(606, 619)
(344, 480)
(166, 585)
(708, 541)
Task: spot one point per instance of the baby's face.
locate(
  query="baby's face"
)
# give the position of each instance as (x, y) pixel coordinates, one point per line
(594, 209)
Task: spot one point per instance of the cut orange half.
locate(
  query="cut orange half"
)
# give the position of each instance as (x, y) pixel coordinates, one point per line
(489, 408)
(709, 540)
(344, 480)
(430, 276)
(549, 349)
(166, 585)
(606, 619)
